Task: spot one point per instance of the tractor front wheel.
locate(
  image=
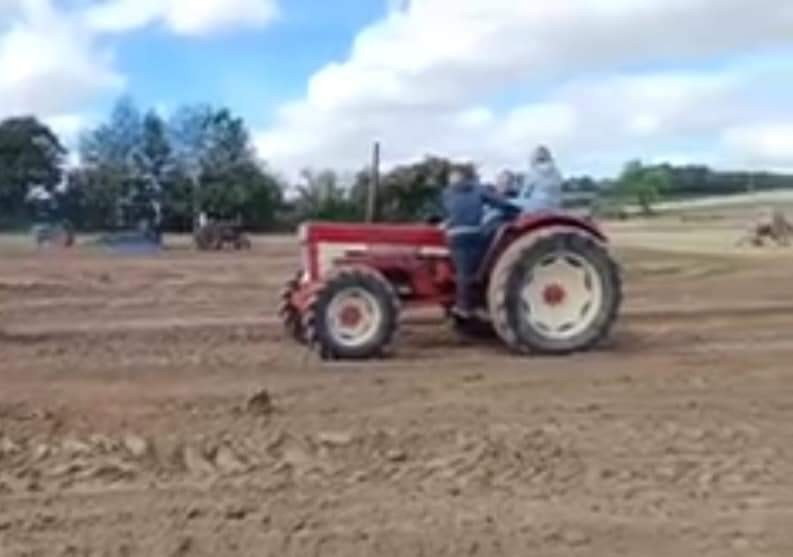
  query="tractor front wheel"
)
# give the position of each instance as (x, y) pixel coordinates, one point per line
(289, 314)
(354, 316)
(555, 293)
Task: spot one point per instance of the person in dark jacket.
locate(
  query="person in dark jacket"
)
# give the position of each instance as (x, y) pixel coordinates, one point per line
(465, 201)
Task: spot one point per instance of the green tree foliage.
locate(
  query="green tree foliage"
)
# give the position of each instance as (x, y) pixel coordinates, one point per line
(111, 146)
(92, 201)
(110, 184)
(214, 150)
(411, 190)
(30, 156)
(321, 197)
(202, 159)
(153, 157)
(643, 185)
(410, 193)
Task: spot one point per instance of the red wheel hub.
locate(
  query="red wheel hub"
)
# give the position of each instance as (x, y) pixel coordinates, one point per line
(554, 294)
(351, 316)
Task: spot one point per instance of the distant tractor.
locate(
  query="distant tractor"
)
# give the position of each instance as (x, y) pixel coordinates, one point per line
(50, 228)
(548, 285)
(217, 235)
(59, 235)
(776, 229)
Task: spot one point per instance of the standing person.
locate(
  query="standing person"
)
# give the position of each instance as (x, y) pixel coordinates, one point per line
(464, 202)
(543, 188)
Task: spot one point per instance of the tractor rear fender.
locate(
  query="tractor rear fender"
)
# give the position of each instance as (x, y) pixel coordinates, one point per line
(536, 224)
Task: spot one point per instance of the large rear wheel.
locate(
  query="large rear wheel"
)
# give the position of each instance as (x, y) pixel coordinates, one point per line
(556, 293)
(354, 316)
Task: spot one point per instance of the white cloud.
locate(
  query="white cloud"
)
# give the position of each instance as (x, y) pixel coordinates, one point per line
(423, 80)
(769, 144)
(47, 64)
(186, 17)
(68, 126)
(593, 124)
(474, 117)
(53, 59)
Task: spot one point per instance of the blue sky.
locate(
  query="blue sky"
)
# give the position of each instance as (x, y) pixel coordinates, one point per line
(599, 81)
(251, 70)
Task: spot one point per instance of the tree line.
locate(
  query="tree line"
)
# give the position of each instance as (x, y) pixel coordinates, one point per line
(201, 159)
(645, 185)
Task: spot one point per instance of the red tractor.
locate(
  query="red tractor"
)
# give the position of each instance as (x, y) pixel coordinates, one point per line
(547, 284)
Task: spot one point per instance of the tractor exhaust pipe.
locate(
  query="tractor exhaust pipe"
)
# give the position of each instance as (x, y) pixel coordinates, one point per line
(374, 186)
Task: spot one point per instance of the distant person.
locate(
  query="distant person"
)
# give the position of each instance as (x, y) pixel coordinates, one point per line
(543, 188)
(465, 201)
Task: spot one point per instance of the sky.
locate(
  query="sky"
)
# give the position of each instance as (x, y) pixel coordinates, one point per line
(598, 81)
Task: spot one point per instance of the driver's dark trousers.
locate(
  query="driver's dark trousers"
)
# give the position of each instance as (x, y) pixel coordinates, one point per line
(468, 249)
(491, 227)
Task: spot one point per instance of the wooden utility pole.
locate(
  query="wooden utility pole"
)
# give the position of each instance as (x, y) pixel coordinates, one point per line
(374, 185)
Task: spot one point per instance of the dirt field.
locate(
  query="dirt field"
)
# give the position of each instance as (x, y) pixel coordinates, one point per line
(129, 423)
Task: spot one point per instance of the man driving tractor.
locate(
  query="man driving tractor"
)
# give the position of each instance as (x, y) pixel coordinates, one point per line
(474, 214)
(464, 202)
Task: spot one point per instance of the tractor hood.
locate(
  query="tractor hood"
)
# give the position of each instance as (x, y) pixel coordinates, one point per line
(412, 235)
(323, 243)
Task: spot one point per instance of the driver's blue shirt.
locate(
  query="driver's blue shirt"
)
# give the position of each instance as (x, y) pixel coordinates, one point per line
(465, 204)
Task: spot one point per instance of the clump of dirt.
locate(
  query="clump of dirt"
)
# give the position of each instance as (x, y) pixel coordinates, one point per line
(260, 403)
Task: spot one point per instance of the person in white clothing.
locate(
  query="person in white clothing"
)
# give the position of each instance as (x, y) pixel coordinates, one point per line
(543, 188)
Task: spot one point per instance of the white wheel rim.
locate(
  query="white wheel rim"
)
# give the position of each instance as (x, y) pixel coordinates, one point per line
(354, 317)
(562, 296)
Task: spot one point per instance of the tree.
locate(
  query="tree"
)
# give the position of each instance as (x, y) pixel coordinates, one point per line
(114, 189)
(204, 137)
(93, 198)
(154, 170)
(202, 159)
(320, 197)
(214, 151)
(412, 193)
(112, 145)
(153, 156)
(30, 156)
(642, 184)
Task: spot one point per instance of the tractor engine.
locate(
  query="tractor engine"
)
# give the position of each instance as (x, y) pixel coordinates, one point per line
(413, 259)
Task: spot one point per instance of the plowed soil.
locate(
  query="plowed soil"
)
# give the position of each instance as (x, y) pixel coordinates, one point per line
(150, 406)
